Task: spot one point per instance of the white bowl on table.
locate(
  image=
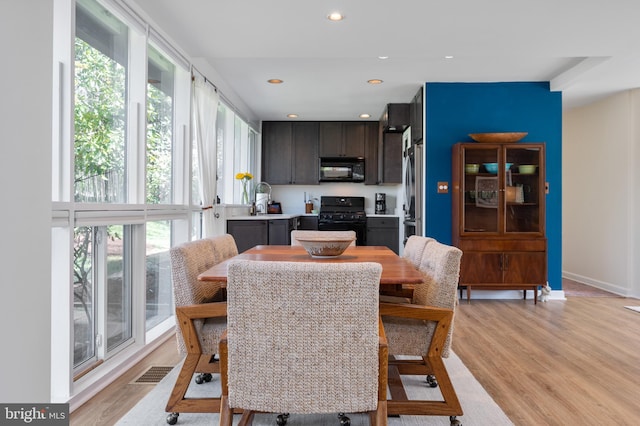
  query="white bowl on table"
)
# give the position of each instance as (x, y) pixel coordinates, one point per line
(321, 247)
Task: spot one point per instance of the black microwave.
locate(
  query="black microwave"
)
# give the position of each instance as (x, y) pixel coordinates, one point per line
(342, 169)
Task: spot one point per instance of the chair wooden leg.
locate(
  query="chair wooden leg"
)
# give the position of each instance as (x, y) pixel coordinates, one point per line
(177, 402)
(379, 417)
(226, 414)
(247, 418)
(399, 404)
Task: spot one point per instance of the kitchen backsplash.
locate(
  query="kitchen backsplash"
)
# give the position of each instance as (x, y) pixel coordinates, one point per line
(291, 197)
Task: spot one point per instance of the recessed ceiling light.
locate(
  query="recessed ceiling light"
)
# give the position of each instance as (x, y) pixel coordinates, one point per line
(374, 81)
(365, 116)
(335, 16)
(449, 57)
(292, 115)
(383, 57)
(275, 81)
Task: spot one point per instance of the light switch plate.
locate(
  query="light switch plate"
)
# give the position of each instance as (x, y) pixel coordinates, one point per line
(443, 187)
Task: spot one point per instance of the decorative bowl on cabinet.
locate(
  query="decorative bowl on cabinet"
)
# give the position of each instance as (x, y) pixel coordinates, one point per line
(499, 137)
(493, 167)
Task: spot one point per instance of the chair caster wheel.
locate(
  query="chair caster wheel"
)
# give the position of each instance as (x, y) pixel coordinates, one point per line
(172, 418)
(203, 377)
(282, 419)
(344, 420)
(431, 381)
(454, 421)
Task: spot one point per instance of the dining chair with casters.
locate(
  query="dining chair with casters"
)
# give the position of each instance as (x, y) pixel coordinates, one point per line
(424, 329)
(319, 350)
(329, 234)
(413, 250)
(198, 329)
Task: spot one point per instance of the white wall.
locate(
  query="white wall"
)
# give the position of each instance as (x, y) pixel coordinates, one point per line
(25, 176)
(600, 205)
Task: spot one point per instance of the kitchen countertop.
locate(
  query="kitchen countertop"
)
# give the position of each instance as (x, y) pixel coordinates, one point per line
(291, 216)
(266, 217)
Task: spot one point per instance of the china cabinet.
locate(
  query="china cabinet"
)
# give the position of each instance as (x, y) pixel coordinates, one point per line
(498, 196)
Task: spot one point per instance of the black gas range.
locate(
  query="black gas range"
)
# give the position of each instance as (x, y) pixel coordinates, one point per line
(343, 214)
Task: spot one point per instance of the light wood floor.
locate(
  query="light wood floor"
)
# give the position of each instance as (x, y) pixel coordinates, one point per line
(562, 362)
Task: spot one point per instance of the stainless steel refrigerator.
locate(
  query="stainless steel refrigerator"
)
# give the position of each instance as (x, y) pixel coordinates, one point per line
(413, 186)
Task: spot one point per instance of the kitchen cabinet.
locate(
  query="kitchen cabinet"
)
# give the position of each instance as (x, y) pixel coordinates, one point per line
(290, 152)
(416, 116)
(498, 206)
(248, 233)
(396, 117)
(342, 139)
(383, 231)
(308, 223)
(252, 232)
(373, 133)
(390, 162)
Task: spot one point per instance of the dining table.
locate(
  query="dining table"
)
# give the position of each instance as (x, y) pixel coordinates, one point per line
(396, 270)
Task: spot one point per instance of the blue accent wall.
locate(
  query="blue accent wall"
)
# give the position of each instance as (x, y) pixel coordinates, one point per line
(453, 110)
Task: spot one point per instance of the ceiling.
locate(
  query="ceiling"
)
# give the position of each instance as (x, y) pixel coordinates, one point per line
(588, 49)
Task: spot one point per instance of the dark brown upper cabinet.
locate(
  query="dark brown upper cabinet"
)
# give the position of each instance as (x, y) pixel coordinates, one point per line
(290, 152)
(342, 139)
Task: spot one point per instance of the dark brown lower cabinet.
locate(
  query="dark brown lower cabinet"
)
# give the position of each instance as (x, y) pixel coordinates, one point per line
(383, 231)
(253, 232)
(509, 265)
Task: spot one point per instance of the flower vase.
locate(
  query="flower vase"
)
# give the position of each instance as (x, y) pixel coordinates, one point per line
(245, 196)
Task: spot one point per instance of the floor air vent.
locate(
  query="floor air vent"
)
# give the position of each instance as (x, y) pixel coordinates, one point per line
(153, 375)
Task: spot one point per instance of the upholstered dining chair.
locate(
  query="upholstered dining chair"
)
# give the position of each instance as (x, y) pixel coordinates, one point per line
(319, 350)
(308, 234)
(424, 328)
(198, 331)
(413, 250)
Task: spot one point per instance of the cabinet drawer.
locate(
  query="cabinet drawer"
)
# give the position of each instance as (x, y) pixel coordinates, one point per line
(500, 245)
(380, 222)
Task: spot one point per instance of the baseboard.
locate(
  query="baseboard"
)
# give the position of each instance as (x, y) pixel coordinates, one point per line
(602, 285)
(509, 294)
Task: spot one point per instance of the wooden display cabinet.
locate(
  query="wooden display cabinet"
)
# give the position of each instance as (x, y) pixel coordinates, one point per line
(499, 215)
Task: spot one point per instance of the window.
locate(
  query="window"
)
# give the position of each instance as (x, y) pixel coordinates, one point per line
(238, 149)
(102, 312)
(160, 84)
(123, 186)
(101, 55)
(159, 296)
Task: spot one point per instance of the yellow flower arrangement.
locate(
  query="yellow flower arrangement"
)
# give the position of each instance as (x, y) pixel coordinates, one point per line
(244, 178)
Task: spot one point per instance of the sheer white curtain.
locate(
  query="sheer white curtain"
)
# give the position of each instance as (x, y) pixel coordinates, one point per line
(205, 110)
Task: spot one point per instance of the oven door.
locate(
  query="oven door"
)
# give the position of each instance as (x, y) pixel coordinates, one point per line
(360, 228)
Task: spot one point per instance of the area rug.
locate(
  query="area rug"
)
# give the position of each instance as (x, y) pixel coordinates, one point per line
(479, 408)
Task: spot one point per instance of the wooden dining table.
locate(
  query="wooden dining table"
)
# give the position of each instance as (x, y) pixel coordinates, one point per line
(395, 269)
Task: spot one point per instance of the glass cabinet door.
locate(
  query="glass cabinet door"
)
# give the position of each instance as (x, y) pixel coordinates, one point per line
(481, 189)
(524, 188)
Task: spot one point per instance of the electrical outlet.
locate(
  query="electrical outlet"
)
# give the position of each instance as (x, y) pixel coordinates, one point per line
(443, 187)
